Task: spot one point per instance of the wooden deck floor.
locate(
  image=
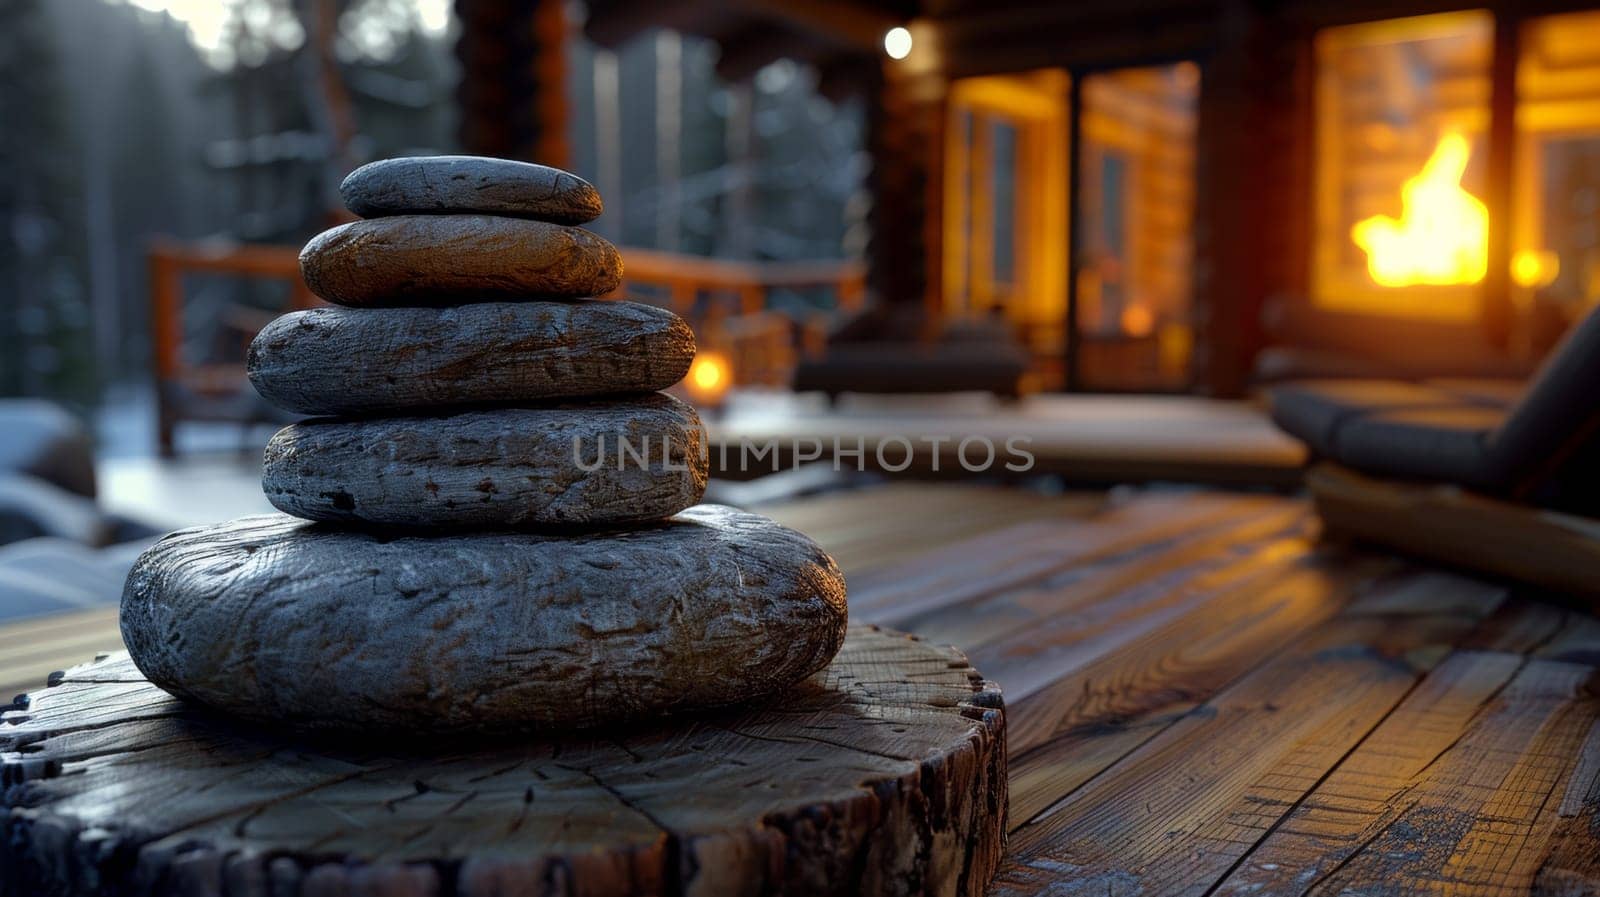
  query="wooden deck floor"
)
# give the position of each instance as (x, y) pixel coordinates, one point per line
(1201, 699)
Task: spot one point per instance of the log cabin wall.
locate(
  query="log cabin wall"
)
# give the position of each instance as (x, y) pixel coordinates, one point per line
(1254, 148)
(905, 136)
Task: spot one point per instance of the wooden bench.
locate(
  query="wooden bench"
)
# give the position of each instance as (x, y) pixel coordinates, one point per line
(1202, 697)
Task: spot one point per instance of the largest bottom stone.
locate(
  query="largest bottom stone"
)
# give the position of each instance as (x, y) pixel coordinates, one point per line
(317, 627)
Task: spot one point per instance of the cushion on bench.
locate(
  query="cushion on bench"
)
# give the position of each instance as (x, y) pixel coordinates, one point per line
(1449, 443)
(1539, 442)
(1316, 410)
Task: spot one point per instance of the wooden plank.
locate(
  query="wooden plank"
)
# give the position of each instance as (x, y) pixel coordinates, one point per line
(871, 528)
(1070, 731)
(1519, 627)
(1024, 624)
(1573, 864)
(1012, 557)
(1458, 791)
(1177, 813)
(32, 649)
(1459, 528)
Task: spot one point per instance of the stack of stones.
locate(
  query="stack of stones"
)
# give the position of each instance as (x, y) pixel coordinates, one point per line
(494, 520)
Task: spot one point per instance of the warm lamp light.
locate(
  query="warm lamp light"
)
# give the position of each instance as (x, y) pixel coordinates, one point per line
(1535, 268)
(897, 42)
(709, 378)
(1137, 320)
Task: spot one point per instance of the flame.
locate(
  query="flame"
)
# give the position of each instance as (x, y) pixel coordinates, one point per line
(1442, 234)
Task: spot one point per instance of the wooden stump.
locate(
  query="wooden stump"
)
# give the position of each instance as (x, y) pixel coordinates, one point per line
(884, 774)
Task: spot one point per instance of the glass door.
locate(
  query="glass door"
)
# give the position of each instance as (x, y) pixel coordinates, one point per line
(1135, 221)
(1005, 215)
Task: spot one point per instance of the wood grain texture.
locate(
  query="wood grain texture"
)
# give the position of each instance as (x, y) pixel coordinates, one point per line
(455, 259)
(353, 361)
(884, 774)
(1457, 792)
(318, 627)
(1174, 815)
(578, 464)
(442, 184)
(1146, 637)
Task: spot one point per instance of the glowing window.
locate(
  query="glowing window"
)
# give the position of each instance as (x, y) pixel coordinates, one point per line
(1402, 117)
(1556, 225)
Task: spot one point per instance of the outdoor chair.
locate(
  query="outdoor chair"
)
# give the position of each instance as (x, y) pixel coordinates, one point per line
(1494, 476)
(1531, 444)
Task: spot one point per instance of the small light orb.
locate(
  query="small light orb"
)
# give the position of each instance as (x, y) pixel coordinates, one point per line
(897, 42)
(709, 378)
(1138, 320)
(1535, 268)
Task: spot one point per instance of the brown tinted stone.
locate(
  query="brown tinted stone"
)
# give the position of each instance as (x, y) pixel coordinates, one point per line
(454, 259)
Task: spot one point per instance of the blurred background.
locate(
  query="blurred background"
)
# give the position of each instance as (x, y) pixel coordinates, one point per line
(199, 130)
(1098, 226)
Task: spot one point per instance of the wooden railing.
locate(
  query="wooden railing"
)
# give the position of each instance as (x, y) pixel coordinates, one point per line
(688, 280)
(727, 302)
(730, 305)
(181, 384)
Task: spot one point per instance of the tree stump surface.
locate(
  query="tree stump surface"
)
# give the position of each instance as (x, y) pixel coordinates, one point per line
(883, 774)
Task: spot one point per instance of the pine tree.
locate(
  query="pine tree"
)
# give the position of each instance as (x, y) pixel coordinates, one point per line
(46, 343)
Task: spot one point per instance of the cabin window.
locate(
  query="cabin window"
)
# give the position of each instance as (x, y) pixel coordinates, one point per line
(1005, 203)
(1555, 248)
(1006, 247)
(1402, 114)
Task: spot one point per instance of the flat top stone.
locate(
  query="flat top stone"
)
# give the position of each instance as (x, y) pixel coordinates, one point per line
(435, 184)
(324, 627)
(455, 259)
(359, 361)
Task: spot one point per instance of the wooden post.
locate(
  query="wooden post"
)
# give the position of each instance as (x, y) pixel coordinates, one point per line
(1239, 229)
(513, 79)
(1070, 339)
(901, 126)
(166, 327)
(1502, 166)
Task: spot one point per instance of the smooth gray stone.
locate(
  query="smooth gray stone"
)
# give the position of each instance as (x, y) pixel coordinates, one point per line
(359, 361)
(318, 627)
(432, 184)
(456, 259)
(497, 467)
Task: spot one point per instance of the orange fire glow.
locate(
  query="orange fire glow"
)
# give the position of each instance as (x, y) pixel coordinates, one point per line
(709, 378)
(1442, 235)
